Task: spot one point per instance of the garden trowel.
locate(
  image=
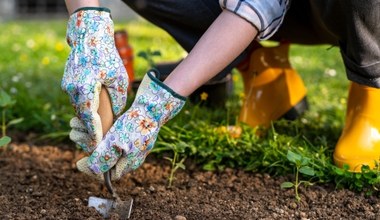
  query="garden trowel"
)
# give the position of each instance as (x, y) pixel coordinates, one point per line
(107, 207)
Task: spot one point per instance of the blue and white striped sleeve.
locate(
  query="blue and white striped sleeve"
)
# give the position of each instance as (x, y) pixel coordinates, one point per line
(265, 15)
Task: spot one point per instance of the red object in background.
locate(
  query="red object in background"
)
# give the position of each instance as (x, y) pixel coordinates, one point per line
(126, 53)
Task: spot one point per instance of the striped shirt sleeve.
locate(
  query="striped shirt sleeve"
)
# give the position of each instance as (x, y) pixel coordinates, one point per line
(265, 15)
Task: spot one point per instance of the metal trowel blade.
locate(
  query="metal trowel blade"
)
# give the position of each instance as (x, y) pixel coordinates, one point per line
(107, 206)
(103, 206)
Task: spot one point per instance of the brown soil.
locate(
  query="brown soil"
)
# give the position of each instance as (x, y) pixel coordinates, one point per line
(43, 183)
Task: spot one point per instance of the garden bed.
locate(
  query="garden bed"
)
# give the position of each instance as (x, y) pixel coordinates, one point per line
(43, 183)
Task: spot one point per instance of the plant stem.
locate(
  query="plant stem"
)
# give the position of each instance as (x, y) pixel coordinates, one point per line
(3, 126)
(172, 169)
(297, 184)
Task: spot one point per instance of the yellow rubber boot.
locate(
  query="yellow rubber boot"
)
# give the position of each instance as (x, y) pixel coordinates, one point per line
(272, 88)
(359, 143)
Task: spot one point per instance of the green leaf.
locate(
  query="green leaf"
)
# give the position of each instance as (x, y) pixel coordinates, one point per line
(55, 135)
(358, 175)
(5, 99)
(346, 167)
(180, 147)
(160, 148)
(4, 141)
(285, 185)
(359, 184)
(181, 165)
(143, 54)
(365, 168)
(169, 159)
(293, 157)
(338, 171)
(307, 171)
(368, 175)
(15, 121)
(156, 53)
(305, 161)
(348, 174)
(307, 183)
(374, 180)
(209, 167)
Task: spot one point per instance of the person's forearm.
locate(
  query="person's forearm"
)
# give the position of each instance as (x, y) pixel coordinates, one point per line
(73, 5)
(225, 39)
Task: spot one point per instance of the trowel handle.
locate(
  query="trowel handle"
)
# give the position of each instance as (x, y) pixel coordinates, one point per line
(106, 117)
(105, 110)
(107, 181)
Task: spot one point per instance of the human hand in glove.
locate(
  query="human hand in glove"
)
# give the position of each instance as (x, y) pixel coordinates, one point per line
(93, 62)
(134, 133)
(80, 136)
(79, 133)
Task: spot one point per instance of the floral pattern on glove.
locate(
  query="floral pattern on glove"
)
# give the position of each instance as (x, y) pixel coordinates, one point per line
(133, 134)
(93, 62)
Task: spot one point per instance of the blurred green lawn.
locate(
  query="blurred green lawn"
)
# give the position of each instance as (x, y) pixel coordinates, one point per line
(33, 56)
(32, 59)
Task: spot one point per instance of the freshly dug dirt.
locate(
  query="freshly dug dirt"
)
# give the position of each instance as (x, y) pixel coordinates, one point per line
(43, 183)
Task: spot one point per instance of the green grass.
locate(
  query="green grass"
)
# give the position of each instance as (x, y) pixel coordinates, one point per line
(32, 60)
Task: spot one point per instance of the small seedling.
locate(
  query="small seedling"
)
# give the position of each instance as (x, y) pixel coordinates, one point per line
(302, 166)
(148, 55)
(176, 162)
(5, 103)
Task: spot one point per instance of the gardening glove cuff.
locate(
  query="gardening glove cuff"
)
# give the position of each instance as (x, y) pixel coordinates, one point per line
(133, 134)
(93, 62)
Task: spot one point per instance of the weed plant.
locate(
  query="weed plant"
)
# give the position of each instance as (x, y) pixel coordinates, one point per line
(301, 167)
(6, 102)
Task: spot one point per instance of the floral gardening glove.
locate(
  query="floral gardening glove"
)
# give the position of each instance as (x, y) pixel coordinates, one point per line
(81, 137)
(133, 134)
(93, 62)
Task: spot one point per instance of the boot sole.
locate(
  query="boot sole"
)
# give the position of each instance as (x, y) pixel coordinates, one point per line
(297, 110)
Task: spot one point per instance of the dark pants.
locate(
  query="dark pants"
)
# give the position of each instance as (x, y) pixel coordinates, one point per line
(354, 25)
